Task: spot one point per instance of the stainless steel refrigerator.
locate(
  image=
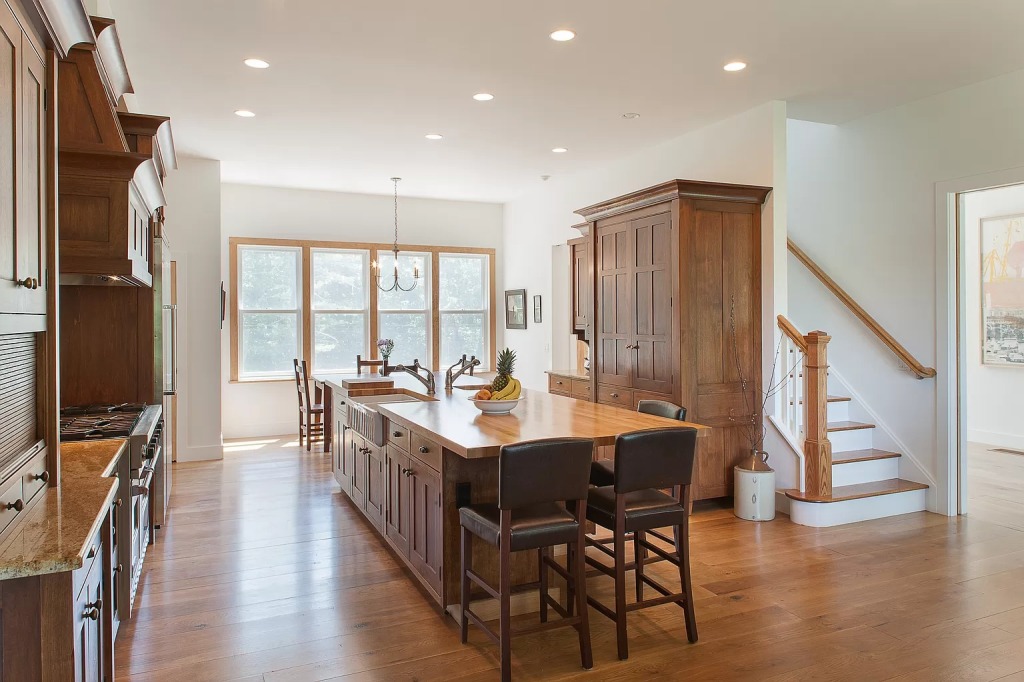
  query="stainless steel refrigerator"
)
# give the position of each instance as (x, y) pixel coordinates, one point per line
(165, 309)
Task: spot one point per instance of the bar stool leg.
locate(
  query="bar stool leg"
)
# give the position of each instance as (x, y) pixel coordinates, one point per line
(620, 588)
(467, 564)
(639, 554)
(505, 590)
(682, 538)
(570, 585)
(541, 555)
(579, 566)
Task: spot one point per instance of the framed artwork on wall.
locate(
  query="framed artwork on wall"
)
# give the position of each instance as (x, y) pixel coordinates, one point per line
(515, 309)
(1002, 290)
(536, 309)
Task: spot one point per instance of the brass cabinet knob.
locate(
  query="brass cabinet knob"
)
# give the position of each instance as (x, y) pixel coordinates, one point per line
(17, 505)
(397, 434)
(615, 395)
(424, 449)
(28, 283)
(44, 477)
(92, 611)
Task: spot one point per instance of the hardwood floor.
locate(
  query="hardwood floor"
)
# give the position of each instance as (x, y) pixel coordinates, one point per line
(264, 572)
(995, 486)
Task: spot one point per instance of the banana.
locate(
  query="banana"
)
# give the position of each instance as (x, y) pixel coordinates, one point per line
(507, 391)
(517, 392)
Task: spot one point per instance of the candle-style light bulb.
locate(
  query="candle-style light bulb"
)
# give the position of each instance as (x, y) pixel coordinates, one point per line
(416, 271)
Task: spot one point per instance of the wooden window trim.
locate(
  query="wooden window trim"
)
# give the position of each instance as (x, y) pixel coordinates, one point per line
(306, 246)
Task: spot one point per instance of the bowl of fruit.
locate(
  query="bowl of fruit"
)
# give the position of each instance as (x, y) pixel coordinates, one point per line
(505, 391)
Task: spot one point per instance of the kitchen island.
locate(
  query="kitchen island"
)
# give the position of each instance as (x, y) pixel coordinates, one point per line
(437, 453)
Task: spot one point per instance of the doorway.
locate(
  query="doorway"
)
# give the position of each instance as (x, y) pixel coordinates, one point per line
(990, 225)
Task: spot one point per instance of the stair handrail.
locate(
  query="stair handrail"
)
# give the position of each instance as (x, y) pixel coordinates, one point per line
(901, 353)
(803, 404)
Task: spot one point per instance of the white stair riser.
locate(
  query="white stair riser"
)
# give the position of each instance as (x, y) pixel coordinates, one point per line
(839, 412)
(856, 439)
(865, 472)
(826, 514)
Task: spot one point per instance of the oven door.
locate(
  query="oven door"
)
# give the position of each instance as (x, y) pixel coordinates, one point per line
(141, 523)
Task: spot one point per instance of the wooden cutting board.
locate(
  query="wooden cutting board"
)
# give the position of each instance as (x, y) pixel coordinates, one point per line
(368, 383)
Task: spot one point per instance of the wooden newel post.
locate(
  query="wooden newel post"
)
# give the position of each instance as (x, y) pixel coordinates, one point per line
(817, 447)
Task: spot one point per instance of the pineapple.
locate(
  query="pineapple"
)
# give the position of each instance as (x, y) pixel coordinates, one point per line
(506, 365)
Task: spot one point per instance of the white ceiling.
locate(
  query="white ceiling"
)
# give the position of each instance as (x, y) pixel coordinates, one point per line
(354, 85)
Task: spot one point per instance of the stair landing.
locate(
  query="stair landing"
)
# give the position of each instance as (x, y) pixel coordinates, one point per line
(843, 493)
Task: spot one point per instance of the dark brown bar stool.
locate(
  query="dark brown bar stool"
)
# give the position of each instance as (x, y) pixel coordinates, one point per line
(603, 473)
(542, 502)
(645, 462)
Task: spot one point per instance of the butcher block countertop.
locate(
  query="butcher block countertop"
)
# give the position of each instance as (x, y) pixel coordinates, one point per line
(54, 534)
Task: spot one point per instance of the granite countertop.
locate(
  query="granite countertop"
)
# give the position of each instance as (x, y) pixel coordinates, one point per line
(53, 535)
(571, 373)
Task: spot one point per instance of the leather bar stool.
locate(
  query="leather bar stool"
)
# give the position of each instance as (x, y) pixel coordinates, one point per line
(645, 463)
(603, 473)
(542, 501)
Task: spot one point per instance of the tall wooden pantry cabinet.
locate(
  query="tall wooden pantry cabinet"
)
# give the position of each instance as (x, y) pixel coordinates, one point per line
(675, 309)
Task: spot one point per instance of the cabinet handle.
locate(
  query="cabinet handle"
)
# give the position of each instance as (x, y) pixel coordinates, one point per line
(559, 383)
(119, 502)
(44, 477)
(615, 395)
(424, 449)
(17, 505)
(118, 568)
(397, 434)
(92, 611)
(28, 283)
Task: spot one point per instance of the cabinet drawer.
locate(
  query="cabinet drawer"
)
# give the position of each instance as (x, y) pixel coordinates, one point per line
(614, 395)
(398, 435)
(427, 451)
(559, 384)
(11, 503)
(35, 477)
(581, 389)
(92, 553)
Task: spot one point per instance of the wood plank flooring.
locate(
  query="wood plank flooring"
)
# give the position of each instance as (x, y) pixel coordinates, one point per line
(995, 486)
(265, 572)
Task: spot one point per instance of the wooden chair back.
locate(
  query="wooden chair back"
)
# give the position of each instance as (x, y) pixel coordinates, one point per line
(302, 383)
(360, 363)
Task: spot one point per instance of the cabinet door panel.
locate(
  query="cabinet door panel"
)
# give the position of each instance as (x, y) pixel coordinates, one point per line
(31, 236)
(425, 541)
(615, 306)
(376, 487)
(581, 286)
(10, 70)
(359, 464)
(652, 303)
(396, 516)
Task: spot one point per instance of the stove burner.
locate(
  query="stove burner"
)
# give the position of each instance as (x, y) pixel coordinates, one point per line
(99, 421)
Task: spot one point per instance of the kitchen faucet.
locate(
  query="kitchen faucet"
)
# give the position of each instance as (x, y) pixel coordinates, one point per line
(427, 380)
(463, 365)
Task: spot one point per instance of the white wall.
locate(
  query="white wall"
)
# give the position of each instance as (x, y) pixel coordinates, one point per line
(862, 204)
(995, 395)
(268, 408)
(193, 228)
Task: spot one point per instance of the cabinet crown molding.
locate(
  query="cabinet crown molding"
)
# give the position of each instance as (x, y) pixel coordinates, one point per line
(65, 23)
(676, 189)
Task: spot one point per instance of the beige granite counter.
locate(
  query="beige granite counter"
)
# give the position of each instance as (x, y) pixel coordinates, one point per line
(52, 536)
(571, 373)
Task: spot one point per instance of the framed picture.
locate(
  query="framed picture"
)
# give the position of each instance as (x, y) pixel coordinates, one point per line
(1002, 290)
(515, 309)
(536, 309)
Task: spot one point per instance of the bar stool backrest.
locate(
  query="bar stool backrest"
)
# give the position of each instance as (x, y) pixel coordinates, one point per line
(547, 470)
(661, 408)
(655, 458)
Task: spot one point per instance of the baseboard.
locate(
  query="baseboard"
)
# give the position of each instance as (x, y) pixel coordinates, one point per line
(200, 454)
(1002, 440)
(260, 430)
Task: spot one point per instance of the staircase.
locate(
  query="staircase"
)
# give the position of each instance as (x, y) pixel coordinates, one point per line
(847, 478)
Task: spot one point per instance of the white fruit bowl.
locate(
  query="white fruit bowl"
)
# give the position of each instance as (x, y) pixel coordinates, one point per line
(496, 406)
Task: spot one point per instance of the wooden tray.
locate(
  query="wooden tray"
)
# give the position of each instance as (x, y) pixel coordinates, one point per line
(368, 383)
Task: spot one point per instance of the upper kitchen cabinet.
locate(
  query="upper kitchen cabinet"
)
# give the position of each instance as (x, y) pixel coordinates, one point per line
(677, 309)
(581, 284)
(110, 182)
(23, 173)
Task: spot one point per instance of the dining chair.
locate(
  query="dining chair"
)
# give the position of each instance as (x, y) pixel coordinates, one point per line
(311, 414)
(360, 363)
(646, 462)
(603, 472)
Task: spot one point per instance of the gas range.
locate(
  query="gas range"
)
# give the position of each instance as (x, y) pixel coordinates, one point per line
(141, 424)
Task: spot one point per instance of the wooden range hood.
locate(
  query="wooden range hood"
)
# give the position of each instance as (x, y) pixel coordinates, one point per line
(110, 184)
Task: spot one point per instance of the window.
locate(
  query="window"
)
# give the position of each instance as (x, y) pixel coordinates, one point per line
(464, 307)
(340, 308)
(404, 316)
(269, 310)
(318, 301)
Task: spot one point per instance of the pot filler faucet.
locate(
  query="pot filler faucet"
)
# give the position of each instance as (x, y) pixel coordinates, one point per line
(426, 379)
(463, 365)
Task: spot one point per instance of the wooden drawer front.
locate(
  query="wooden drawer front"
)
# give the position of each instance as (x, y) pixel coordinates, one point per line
(559, 385)
(398, 435)
(92, 553)
(427, 451)
(581, 389)
(35, 477)
(11, 503)
(613, 395)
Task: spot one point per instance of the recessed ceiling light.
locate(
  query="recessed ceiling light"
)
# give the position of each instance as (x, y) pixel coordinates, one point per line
(631, 114)
(244, 113)
(483, 97)
(562, 35)
(257, 63)
(559, 150)
(434, 136)
(735, 66)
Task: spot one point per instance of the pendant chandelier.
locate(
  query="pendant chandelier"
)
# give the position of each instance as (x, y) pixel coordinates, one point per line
(376, 266)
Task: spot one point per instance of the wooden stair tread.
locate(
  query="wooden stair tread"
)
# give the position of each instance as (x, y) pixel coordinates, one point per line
(848, 426)
(850, 456)
(832, 399)
(842, 493)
